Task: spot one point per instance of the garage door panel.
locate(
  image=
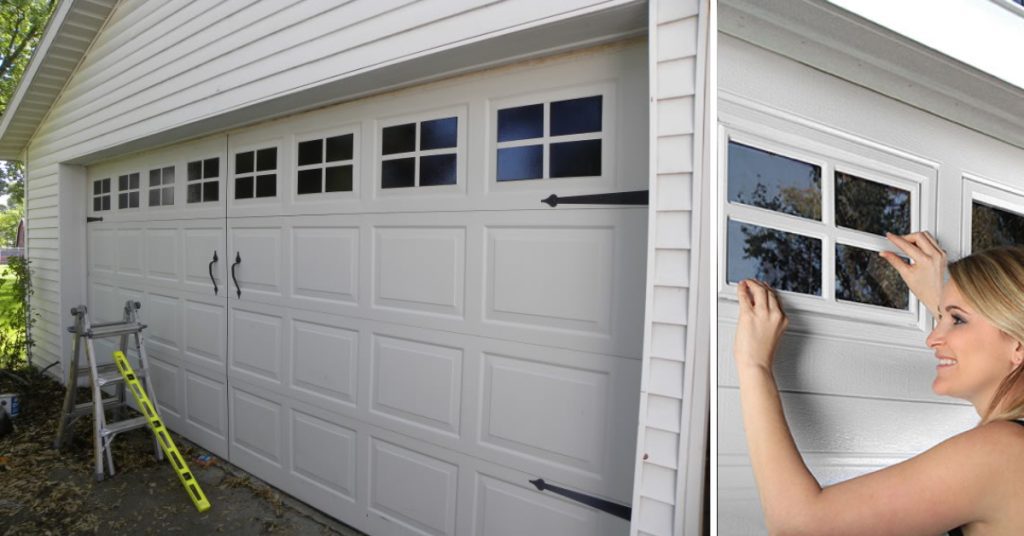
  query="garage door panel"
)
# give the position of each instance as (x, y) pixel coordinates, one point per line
(166, 381)
(202, 239)
(413, 489)
(507, 509)
(206, 412)
(550, 276)
(163, 255)
(129, 252)
(203, 344)
(256, 427)
(420, 269)
(257, 343)
(163, 327)
(102, 250)
(325, 264)
(325, 360)
(257, 246)
(323, 454)
(417, 382)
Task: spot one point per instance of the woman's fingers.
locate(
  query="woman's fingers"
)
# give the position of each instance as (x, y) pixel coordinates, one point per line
(906, 246)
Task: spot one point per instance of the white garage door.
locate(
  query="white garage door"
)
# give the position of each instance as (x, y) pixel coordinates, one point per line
(403, 335)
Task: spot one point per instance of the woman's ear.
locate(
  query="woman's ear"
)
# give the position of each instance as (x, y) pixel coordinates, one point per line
(1018, 354)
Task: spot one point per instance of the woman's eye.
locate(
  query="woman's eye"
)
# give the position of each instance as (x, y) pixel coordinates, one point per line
(958, 320)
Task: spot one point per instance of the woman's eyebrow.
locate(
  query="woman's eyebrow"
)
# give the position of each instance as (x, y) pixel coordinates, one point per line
(950, 308)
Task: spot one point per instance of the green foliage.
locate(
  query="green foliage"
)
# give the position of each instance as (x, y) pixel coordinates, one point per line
(15, 290)
(9, 225)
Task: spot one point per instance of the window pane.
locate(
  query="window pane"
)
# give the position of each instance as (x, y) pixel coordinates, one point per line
(122, 183)
(517, 163)
(97, 204)
(439, 133)
(576, 159)
(195, 170)
(311, 152)
(786, 261)
(168, 174)
(244, 162)
(211, 168)
(243, 187)
(309, 181)
(211, 191)
(338, 179)
(399, 173)
(106, 202)
(133, 199)
(133, 181)
(864, 277)
(266, 159)
(106, 185)
(195, 193)
(992, 227)
(154, 198)
(154, 177)
(168, 197)
(398, 139)
(266, 185)
(871, 207)
(521, 123)
(774, 182)
(437, 169)
(96, 188)
(576, 116)
(339, 148)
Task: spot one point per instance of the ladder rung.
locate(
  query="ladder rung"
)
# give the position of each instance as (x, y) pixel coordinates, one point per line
(85, 408)
(125, 425)
(83, 372)
(114, 330)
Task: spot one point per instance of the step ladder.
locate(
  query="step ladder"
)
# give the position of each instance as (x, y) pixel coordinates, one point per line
(101, 376)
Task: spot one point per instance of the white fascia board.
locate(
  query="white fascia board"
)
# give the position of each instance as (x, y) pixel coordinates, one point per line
(982, 34)
(831, 39)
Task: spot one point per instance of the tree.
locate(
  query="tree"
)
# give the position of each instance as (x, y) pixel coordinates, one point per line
(21, 25)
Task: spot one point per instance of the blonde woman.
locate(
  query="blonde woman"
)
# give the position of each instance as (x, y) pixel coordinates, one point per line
(973, 482)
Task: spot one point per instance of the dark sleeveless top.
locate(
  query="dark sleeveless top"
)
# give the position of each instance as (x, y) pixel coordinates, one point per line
(959, 531)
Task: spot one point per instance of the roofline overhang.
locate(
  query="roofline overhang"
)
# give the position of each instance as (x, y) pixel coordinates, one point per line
(830, 39)
(72, 28)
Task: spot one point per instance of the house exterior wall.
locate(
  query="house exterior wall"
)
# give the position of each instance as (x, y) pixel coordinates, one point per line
(156, 66)
(856, 390)
(671, 391)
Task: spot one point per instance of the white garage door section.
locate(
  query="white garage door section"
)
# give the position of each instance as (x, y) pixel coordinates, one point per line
(408, 334)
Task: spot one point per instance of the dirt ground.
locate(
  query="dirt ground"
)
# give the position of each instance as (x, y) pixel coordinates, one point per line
(43, 491)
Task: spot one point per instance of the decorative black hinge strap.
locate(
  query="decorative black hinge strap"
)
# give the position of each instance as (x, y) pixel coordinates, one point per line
(91, 219)
(639, 197)
(615, 509)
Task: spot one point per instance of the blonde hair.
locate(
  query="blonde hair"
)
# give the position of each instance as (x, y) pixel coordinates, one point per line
(993, 282)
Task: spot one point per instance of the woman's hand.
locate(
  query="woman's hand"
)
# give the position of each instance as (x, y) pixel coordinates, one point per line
(761, 324)
(925, 275)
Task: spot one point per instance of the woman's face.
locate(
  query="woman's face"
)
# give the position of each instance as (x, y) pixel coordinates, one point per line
(974, 355)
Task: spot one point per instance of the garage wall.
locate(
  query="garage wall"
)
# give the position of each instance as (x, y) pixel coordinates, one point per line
(669, 391)
(156, 66)
(856, 391)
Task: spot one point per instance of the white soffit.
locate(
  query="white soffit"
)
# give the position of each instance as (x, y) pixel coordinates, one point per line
(831, 39)
(67, 37)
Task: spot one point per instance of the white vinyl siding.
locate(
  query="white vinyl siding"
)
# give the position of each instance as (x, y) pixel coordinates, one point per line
(665, 476)
(857, 398)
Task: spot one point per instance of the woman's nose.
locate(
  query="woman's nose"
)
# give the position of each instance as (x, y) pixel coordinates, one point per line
(935, 337)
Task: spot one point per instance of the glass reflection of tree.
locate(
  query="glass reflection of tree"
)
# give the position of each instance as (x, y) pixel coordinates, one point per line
(992, 227)
(871, 207)
(789, 261)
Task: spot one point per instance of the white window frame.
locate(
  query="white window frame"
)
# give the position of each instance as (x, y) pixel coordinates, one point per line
(353, 130)
(988, 192)
(461, 154)
(202, 181)
(607, 135)
(162, 187)
(278, 172)
(128, 191)
(109, 194)
(808, 142)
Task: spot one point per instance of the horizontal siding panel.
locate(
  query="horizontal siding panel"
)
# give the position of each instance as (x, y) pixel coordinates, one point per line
(836, 424)
(666, 377)
(672, 267)
(675, 116)
(675, 154)
(662, 448)
(658, 482)
(45, 210)
(677, 39)
(667, 340)
(234, 78)
(42, 232)
(675, 191)
(664, 413)
(672, 230)
(655, 517)
(670, 305)
(676, 78)
(670, 10)
(817, 364)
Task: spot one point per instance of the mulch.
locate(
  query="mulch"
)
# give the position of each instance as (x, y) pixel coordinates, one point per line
(46, 491)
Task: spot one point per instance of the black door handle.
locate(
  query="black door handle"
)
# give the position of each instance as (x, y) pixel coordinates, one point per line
(238, 260)
(212, 280)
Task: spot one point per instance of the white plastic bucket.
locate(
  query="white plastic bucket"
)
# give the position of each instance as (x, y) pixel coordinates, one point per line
(11, 403)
